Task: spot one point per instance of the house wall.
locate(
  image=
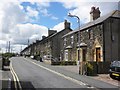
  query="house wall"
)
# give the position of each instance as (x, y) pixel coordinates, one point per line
(111, 37)
(92, 37)
(72, 52)
(119, 40)
(57, 44)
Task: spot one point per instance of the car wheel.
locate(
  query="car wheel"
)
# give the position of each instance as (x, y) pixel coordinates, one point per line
(113, 77)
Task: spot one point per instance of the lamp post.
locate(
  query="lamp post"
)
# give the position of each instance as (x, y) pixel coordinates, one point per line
(70, 15)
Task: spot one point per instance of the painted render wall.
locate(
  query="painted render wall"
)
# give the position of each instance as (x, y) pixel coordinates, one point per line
(111, 37)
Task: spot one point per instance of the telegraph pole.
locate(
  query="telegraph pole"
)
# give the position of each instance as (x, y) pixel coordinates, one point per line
(6, 47)
(28, 42)
(9, 47)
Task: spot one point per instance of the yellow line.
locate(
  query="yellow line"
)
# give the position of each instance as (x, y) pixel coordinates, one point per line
(15, 75)
(62, 75)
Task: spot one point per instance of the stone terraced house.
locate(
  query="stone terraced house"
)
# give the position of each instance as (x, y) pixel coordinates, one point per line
(99, 39)
(50, 45)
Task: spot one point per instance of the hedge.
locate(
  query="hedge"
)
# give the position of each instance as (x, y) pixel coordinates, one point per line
(63, 63)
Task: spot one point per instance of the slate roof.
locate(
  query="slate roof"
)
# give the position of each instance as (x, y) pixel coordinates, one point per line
(114, 13)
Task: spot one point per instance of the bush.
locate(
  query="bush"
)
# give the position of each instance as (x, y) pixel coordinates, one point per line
(6, 61)
(8, 55)
(91, 68)
(63, 63)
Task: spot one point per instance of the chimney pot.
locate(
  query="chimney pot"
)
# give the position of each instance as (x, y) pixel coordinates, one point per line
(66, 24)
(94, 13)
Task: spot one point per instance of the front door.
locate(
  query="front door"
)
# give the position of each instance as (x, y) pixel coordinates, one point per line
(84, 54)
(98, 55)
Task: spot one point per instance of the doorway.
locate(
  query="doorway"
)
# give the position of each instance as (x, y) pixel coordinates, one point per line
(84, 55)
(98, 54)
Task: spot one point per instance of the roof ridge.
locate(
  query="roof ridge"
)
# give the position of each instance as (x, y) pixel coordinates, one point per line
(94, 22)
(114, 11)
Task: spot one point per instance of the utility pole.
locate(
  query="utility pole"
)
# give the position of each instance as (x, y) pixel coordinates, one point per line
(9, 47)
(6, 47)
(28, 42)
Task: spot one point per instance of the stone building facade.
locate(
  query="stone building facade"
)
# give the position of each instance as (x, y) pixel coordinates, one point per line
(99, 39)
(50, 45)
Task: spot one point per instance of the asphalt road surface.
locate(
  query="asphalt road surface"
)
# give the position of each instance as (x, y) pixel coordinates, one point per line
(33, 75)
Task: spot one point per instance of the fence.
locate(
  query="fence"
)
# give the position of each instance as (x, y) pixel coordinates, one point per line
(63, 63)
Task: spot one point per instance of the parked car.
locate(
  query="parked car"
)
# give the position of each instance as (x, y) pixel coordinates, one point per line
(32, 57)
(114, 71)
(47, 57)
(38, 58)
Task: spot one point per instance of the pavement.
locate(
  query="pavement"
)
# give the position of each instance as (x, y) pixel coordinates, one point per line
(102, 77)
(5, 78)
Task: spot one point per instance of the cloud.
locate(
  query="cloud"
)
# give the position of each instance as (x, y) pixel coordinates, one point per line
(29, 31)
(54, 18)
(11, 15)
(14, 26)
(32, 12)
(43, 3)
(42, 8)
(82, 8)
(59, 27)
(22, 32)
(44, 12)
(47, 14)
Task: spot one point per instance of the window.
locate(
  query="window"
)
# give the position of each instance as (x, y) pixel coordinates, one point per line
(89, 35)
(65, 41)
(66, 55)
(72, 39)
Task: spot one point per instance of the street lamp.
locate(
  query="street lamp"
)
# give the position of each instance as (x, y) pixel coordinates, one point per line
(70, 15)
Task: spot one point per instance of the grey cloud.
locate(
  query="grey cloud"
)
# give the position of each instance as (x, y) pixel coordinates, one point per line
(12, 15)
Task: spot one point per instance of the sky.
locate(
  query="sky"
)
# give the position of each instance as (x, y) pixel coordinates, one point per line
(23, 20)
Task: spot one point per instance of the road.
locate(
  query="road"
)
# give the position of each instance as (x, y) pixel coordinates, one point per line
(34, 75)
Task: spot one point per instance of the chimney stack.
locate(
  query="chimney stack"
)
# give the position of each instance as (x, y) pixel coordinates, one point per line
(51, 32)
(43, 37)
(66, 25)
(94, 13)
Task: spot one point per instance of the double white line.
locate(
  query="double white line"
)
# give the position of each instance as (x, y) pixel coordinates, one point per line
(15, 78)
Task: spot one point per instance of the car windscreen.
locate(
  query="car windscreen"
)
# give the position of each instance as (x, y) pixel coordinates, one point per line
(115, 64)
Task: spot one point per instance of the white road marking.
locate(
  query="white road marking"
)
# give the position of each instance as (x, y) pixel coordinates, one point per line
(62, 75)
(9, 83)
(15, 77)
